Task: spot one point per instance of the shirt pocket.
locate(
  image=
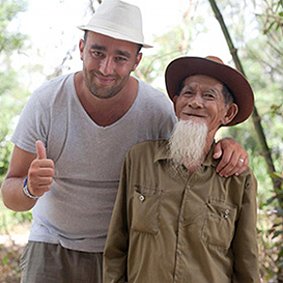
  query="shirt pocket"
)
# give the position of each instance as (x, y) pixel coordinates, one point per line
(219, 223)
(146, 209)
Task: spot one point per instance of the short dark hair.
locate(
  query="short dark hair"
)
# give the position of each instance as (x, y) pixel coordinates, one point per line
(227, 94)
(85, 35)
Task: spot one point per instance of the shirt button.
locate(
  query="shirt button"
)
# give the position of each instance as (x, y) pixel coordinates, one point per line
(141, 197)
(226, 213)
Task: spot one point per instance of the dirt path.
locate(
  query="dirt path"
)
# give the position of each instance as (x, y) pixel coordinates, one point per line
(11, 247)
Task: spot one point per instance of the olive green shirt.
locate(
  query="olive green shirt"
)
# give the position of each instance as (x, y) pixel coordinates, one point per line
(172, 226)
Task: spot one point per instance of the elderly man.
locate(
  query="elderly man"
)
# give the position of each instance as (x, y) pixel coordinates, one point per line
(175, 219)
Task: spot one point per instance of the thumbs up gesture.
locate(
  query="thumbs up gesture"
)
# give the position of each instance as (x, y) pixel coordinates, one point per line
(41, 171)
(40, 150)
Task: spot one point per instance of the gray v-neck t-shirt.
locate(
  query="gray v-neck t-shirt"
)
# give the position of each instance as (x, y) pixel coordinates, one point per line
(88, 158)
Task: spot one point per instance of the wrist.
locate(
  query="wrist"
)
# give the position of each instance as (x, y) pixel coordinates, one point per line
(27, 191)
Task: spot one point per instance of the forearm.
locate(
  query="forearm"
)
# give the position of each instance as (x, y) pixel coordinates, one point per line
(13, 195)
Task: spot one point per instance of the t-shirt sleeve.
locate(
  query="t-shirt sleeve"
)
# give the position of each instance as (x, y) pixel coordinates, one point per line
(159, 112)
(32, 124)
(167, 125)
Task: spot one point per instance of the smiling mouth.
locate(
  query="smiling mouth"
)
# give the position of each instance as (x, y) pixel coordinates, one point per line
(194, 115)
(105, 80)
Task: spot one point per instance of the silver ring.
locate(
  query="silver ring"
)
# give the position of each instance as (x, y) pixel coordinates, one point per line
(241, 160)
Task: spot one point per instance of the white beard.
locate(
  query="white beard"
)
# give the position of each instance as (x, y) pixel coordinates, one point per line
(187, 144)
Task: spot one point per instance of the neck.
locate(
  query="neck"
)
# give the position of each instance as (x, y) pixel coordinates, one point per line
(105, 112)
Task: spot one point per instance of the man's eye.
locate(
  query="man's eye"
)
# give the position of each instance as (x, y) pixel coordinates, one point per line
(209, 95)
(187, 93)
(96, 53)
(120, 59)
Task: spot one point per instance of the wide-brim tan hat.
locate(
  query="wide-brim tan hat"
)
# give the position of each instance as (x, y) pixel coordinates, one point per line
(212, 66)
(118, 19)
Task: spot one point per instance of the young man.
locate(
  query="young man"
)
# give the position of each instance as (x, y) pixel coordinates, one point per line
(175, 219)
(70, 143)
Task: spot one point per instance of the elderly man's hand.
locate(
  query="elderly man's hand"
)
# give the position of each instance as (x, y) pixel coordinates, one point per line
(234, 158)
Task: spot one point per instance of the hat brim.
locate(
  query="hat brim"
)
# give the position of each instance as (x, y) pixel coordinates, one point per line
(183, 67)
(113, 34)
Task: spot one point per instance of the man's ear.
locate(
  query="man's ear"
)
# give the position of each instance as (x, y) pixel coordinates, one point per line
(230, 114)
(174, 99)
(138, 59)
(81, 47)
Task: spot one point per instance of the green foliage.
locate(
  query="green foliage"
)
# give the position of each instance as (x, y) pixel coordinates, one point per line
(273, 17)
(12, 98)
(11, 92)
(9, 41)
(10, 219)
(11, 101)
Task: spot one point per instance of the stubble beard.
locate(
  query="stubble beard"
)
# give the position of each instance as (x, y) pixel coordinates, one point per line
(187, 144)
(100, 92)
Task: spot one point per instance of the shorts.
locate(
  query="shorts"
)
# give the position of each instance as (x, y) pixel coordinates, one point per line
(51, 263)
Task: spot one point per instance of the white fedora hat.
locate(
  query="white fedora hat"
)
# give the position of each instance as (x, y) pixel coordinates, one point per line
(119, 20)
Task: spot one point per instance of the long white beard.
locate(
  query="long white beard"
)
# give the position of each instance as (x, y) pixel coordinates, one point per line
(187, 144)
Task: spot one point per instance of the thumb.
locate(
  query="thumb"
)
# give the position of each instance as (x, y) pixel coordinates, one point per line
(40, 150)
(217, 151)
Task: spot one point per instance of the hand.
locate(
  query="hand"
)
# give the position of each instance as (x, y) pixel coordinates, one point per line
(234, 158)
(41, 172)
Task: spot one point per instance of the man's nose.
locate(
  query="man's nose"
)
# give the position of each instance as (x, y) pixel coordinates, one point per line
(195, 101)
(106, 66)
